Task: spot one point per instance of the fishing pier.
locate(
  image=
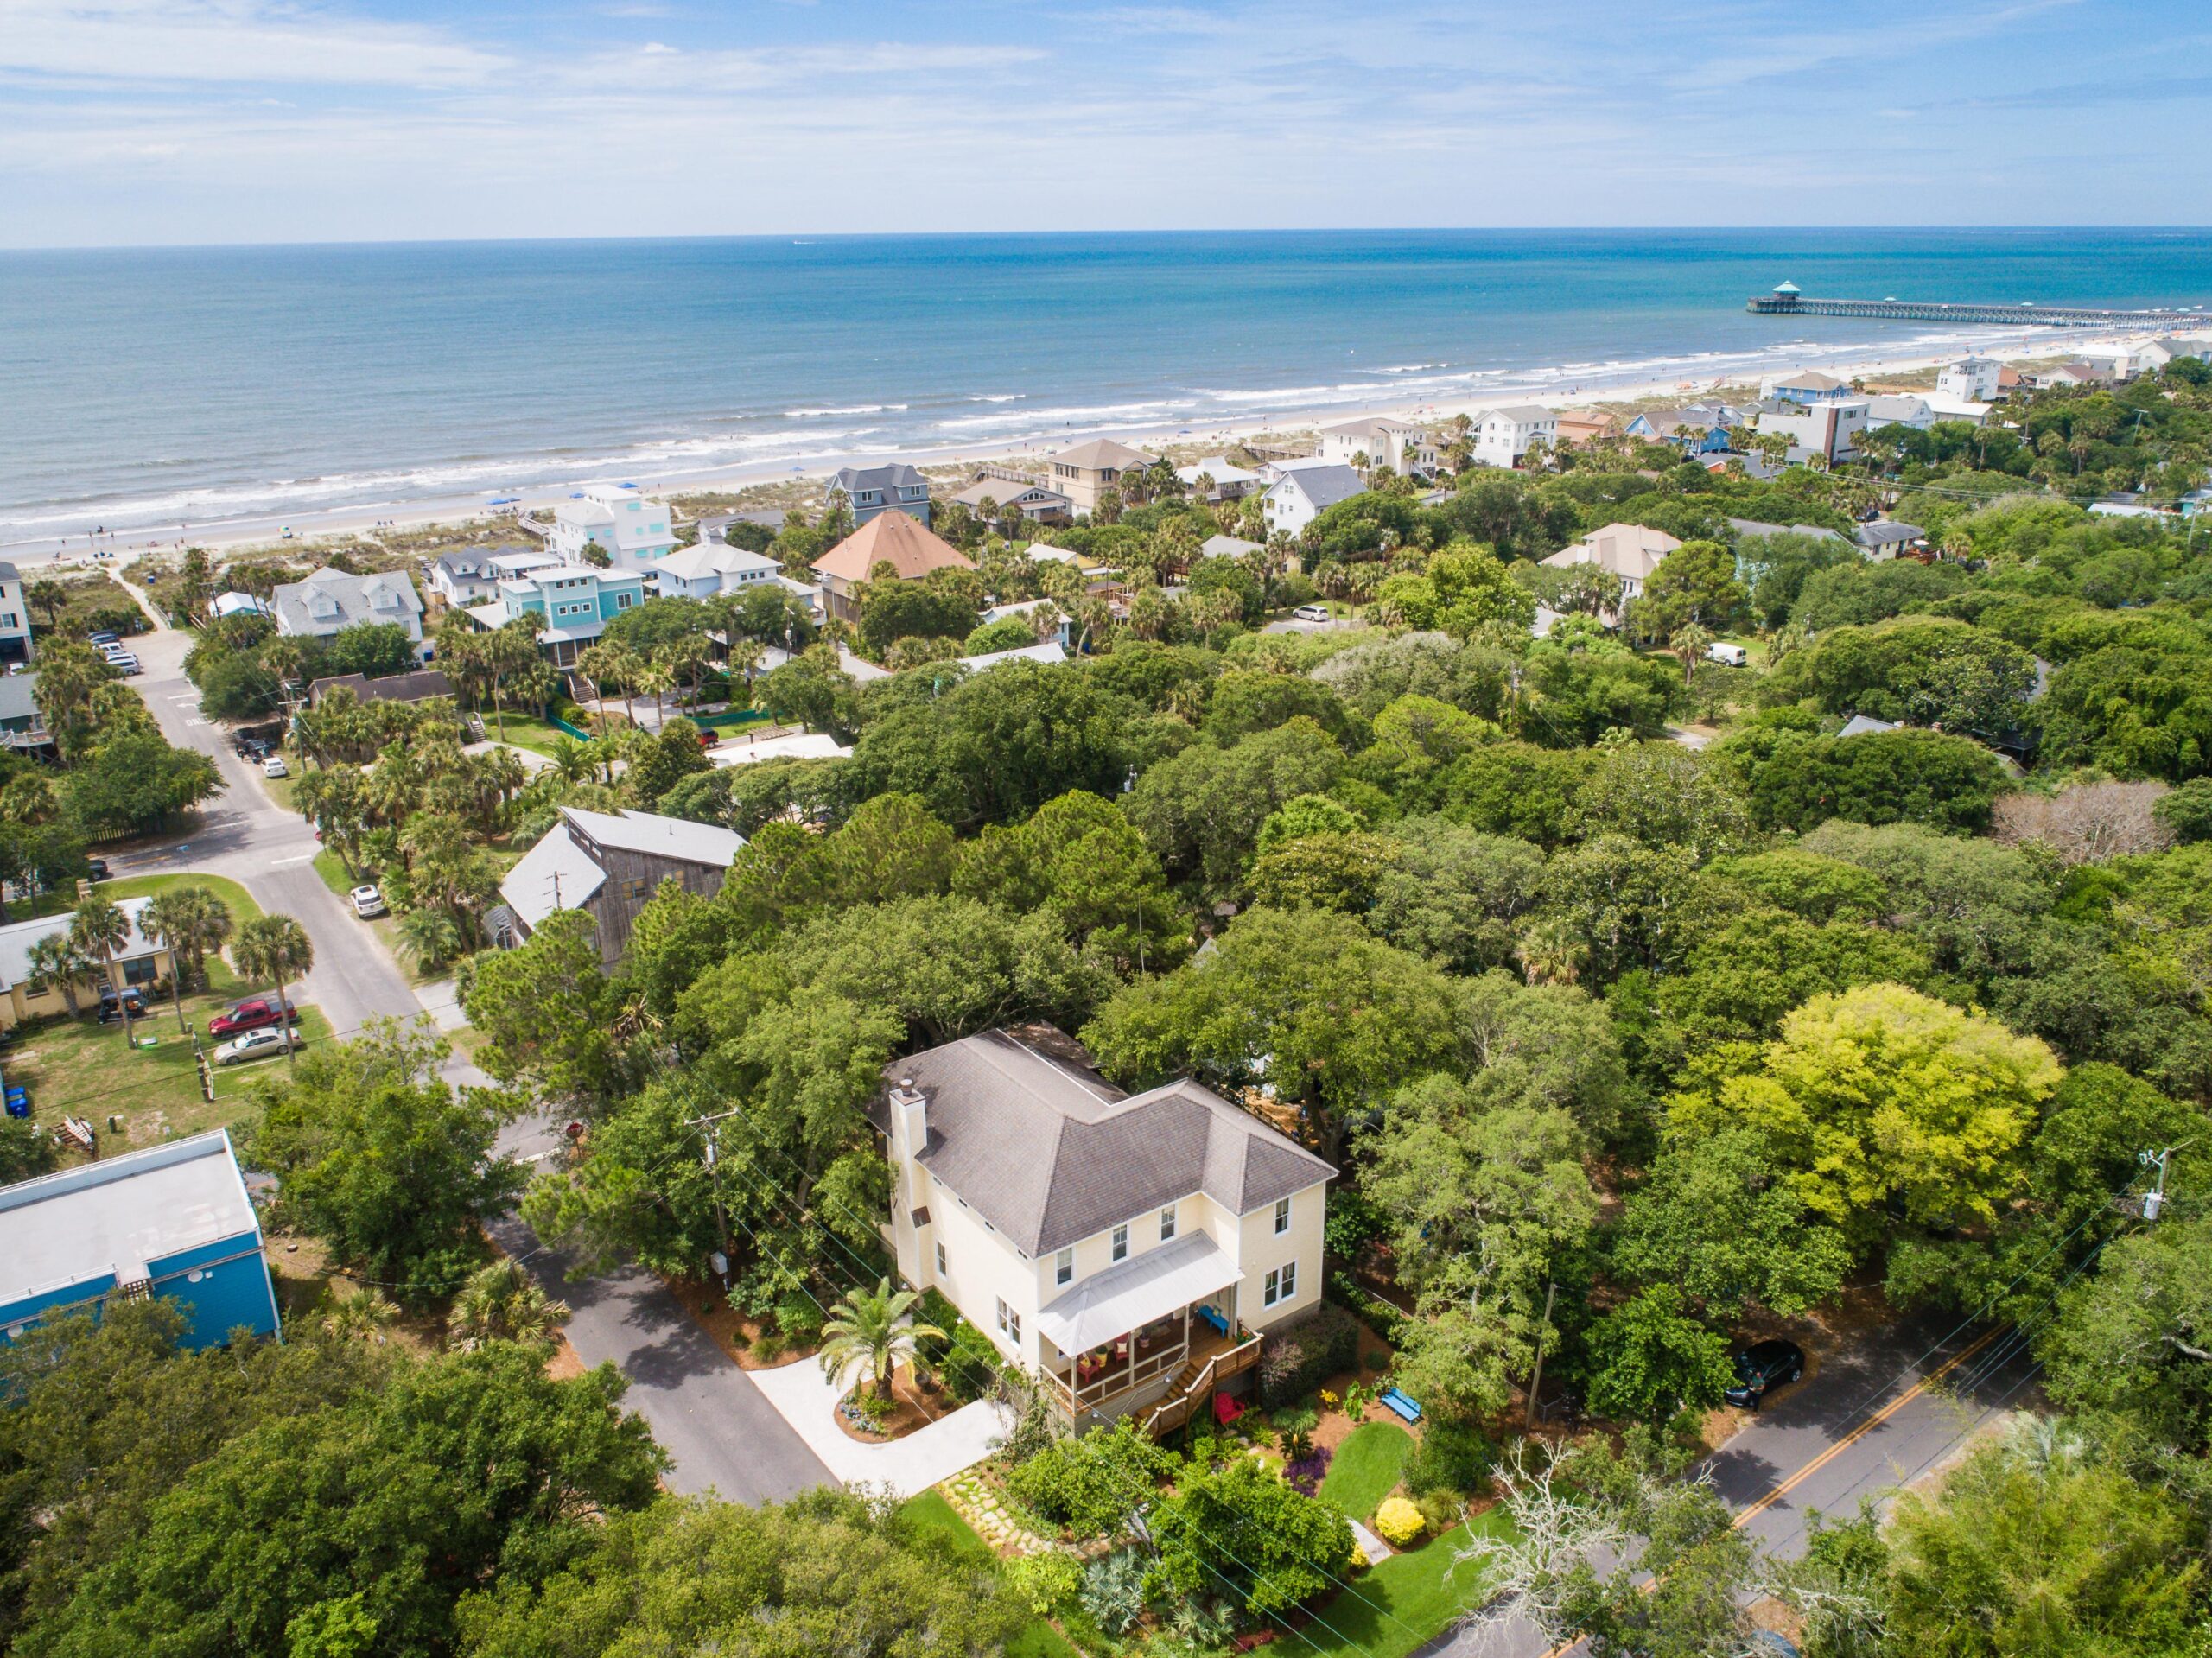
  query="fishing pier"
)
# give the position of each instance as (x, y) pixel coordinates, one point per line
(1788, 301)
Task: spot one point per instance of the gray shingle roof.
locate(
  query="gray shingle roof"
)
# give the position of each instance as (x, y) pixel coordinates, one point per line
(1049, 1153)
(330, 600)
(889, 477)
(1326, 485)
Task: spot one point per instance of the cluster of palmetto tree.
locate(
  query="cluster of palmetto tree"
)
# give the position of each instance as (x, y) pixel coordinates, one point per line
(418, 817)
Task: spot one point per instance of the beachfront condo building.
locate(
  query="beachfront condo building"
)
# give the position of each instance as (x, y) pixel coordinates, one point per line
(1089, 470)
(14, 617)
(628, 526)
(870, 492)
(890, 539)
(1972, 377)
(1827, 428)
(576, 600)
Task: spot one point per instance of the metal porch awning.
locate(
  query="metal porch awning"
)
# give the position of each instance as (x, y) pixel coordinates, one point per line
(1130, 1294)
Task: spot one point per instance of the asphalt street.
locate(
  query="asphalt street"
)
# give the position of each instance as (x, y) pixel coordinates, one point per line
(722, 1433)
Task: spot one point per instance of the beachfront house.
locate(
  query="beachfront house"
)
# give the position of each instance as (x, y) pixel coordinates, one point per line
(1826, 428)
(172, 1222)
(576, 600)
(1126, 1249)
(1089, 470)
(711, 568)
(1630, 551)
(15, 616)
(329, 601)
(1502, 435)
(1001, 494)
(608, 865)
(1221, 478)
(890, 539)
(1807, 386)
(1697, 430)
(1973, 379)
(1304, 489)
(471, 575)
(1388, 444)
(1579, 428)
(870, 492)
(142, 961)
(633, 530)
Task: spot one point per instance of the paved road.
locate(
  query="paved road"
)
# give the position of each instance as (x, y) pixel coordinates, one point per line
(719, 1427)
(1870, 1419)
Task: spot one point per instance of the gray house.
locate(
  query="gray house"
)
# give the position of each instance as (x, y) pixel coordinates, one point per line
(871, 490)
(608, 866)
(330, 602)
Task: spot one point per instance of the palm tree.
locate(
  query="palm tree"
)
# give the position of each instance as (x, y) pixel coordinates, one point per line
(174, 920)
(367, 1314)
(49, 596)
(208, 924)
(604, 664)
(574, 761)
(276, 948)
(99, 929)
(1688, 642)
(1550, 952)
(431, 936)
(656, 678)
(869, 1331)
(502, 1302)
(57, 963)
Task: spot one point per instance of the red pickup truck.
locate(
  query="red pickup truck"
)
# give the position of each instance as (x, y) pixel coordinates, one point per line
(252, 1014)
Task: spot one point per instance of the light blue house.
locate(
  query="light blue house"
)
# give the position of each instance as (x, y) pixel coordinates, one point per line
(172, 1220)
(576, 600)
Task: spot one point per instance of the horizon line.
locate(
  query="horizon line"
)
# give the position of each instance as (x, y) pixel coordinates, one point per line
(1187, 230)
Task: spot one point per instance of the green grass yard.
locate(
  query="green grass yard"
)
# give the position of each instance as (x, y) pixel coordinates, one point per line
(81, 1068)
(523, 731)
(1365, 1468)
(932, 1517)
(58, 902)
(1406, 1601)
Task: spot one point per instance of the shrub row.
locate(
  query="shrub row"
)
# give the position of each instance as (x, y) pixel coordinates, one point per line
(1298, 1358)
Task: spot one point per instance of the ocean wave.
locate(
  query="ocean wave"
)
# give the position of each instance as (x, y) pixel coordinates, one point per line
(855, 409)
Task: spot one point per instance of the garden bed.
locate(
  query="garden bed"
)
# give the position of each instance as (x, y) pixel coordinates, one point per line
(912, 1409)
(740, 1337)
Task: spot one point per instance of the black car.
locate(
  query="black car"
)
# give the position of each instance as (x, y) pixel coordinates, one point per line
(1763, 1367)
(113, 1006)
(97, 867)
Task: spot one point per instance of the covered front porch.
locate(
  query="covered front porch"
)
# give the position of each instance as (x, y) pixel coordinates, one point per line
(1158, 1330)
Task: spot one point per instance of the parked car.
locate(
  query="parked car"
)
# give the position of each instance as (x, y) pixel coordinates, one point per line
(252, 1014)
(104, 637)
(125, 663)
(367, 902)
(1763, 1367)
(708, 739)
(1311, 613)
(274, 767)
(112, 1005)
(1729, 655)
(254, 1044)
(97, 868)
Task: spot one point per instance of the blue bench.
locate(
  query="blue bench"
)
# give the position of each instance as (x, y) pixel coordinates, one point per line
(1398, 1403)
(1220, 1324)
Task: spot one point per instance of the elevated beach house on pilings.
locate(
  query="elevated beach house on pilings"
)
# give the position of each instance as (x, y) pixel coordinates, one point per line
(1125, 1249)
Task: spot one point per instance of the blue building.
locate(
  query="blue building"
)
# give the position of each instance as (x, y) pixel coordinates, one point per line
(576, 600)
(173, 1221)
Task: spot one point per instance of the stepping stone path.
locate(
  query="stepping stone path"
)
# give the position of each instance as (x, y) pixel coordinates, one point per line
(974, 1500)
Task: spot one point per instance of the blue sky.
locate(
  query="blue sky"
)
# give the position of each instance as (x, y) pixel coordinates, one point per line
(162, 121)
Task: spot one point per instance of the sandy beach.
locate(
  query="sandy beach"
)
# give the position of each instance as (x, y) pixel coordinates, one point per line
(1561, 388)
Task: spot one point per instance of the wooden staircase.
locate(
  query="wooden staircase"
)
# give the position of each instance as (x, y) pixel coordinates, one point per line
(1193, 1386)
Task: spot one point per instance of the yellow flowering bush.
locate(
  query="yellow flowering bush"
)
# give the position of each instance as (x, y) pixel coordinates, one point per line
(1359, 1560)
(1329, 1398)
(1398, 1522)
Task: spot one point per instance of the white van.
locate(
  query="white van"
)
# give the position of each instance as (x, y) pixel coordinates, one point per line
(1728, 655)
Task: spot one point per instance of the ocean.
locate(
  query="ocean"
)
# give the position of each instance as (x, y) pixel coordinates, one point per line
(154, 387)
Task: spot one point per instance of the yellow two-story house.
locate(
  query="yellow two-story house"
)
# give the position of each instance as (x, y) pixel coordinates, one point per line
(1125, 1249)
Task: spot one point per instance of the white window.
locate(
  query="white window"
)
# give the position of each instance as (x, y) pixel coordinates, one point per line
(1014, 1326)
(1290, 1281)
(1064, 1266)
(1005, 1312)
(1167, 1222)
(1282, 1216)
(1121, 1251)
(940, 1258)
(1269, 1294)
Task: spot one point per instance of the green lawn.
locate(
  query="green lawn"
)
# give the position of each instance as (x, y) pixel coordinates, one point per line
(1405, 1602)
(60, 900)
(1365, 1467)
(932, 1517)
(81, 1068)
(523, 731)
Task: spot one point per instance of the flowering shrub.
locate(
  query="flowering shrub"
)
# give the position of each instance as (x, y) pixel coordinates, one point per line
(1305, 1472)
(1359, 1560)
(1397, 1522)
(1330, 1399)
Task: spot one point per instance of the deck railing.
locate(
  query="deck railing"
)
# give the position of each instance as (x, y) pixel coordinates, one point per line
(1176, 1409)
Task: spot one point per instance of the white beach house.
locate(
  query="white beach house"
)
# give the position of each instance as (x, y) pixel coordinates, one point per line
(1125, 1248)
(1304, 489)
(1502, 435)
(632, 528)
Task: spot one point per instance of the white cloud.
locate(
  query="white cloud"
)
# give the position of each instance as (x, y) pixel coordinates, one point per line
(228, 41)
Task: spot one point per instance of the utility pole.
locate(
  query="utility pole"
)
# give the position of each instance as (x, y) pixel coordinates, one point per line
(1536, 1382)
(2154, 1201)
(714, 1173)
